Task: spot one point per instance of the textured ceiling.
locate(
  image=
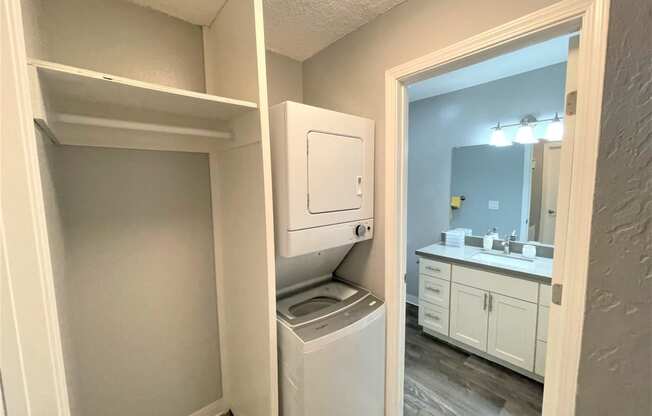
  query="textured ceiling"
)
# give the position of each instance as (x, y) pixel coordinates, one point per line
(301, 28)
(198, 12)
(294, 28)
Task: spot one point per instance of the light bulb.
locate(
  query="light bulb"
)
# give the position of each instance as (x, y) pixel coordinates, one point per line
(555, 130)
(498, 138)
(525, 134)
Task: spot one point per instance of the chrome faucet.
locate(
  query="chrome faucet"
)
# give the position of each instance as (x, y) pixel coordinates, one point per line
(505, 244)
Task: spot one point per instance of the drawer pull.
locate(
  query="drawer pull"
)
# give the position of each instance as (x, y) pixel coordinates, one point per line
(431, 316)
(484, 308)
(433, 269)
(432, 289)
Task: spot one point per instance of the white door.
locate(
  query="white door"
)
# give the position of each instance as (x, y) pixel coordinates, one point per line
(550, 189)
(469, 315)
(332, 189)
(512, 330)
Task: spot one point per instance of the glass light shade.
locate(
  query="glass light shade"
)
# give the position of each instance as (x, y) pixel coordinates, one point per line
(525, 135)
(555, 130)
(498, 138)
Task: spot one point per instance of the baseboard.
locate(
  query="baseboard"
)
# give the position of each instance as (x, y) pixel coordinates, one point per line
(411, 299)
(214, 409)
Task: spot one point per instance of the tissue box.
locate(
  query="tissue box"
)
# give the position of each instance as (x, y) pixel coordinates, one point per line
(454, 238)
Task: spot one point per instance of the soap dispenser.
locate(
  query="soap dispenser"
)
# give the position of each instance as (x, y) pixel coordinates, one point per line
(488, 240)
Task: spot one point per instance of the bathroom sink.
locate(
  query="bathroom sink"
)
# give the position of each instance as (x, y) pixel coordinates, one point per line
(504, 260)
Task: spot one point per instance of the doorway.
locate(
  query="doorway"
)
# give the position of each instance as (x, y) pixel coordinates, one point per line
(575, 191)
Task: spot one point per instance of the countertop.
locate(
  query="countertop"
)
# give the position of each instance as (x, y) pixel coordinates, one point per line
(539, 270)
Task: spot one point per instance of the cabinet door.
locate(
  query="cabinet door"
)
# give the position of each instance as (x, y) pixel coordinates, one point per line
(469, 315)
(512, 330)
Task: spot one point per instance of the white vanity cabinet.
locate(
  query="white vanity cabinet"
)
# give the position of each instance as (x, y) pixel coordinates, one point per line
(496, 315)
(434, 295)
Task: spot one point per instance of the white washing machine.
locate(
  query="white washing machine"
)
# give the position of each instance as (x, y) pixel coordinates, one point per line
(331, 351)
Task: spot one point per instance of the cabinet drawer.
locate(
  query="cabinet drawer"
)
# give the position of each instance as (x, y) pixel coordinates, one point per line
(542, 324)
(545, 295)
(497, 283)
(540, 362)
(434, 290)
(435, 268)
(433, 317)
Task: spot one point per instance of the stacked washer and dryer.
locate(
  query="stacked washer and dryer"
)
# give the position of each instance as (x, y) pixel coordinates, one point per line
(331, 333)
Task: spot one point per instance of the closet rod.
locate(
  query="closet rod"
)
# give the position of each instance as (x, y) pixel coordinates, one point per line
(132, 125)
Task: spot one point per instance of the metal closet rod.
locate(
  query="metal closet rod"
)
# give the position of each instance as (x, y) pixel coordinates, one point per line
(132, 125)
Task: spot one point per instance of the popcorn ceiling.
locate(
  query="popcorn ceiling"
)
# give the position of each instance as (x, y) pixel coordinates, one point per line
(301, 28)
(294, 28)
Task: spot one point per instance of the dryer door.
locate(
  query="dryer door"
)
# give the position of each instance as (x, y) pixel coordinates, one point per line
(335, 172)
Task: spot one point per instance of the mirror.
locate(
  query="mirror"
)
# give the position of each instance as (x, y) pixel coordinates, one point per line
(512, 189)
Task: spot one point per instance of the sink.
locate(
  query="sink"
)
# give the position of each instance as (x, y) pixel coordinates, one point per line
(504, 260)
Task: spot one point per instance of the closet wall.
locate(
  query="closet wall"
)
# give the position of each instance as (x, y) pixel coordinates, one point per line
(140, 266)
(136, 293)
(116, 37)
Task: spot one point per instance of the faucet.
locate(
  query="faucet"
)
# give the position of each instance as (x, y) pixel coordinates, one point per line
(505, 244)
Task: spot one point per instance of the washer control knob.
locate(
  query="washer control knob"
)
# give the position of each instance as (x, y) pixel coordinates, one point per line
(360, 230)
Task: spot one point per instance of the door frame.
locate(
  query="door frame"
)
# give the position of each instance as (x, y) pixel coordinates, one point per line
(33, 374)
(577, 183)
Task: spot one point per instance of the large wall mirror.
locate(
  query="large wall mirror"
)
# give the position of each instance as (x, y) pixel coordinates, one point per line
(512, 189)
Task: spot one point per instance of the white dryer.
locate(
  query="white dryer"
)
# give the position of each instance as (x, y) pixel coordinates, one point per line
(323, 169)
(331, 352)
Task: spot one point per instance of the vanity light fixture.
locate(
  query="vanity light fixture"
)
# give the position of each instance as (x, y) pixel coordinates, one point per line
(525, 133)
(555, 130)
(498, 137)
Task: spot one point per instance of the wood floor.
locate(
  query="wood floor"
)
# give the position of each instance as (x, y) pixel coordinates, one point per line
(443, 380)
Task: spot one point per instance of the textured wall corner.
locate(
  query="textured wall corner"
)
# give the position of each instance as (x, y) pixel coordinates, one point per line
(616, 365)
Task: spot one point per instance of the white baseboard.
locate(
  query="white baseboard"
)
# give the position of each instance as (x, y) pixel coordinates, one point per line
(411, 299)
(214, 409)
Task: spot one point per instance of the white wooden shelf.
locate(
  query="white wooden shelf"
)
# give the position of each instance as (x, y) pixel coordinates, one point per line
(67, 99)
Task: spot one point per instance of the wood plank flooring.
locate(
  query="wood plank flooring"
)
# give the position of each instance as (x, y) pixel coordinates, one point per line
(443, 380)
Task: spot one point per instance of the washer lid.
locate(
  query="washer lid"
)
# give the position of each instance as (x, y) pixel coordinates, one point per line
(338, 321)
(317, 302)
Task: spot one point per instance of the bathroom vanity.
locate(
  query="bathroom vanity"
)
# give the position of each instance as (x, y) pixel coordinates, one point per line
(489, 303)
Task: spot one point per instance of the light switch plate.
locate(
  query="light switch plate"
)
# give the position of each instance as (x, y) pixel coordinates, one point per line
(494, 204)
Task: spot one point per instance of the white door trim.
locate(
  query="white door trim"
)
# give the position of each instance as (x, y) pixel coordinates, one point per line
(30, 286)
(576, 185)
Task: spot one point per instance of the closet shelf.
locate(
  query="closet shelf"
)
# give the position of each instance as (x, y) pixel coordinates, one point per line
(66, 96)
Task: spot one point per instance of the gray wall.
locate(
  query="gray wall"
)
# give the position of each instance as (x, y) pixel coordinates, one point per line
(464, 118)
(349, 76)
(284, 79)
(103, 320)
(136, 294)
(118, 38)
(482, 173)
(615, 373)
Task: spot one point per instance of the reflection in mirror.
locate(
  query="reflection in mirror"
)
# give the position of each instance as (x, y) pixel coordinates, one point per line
(511, 189)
